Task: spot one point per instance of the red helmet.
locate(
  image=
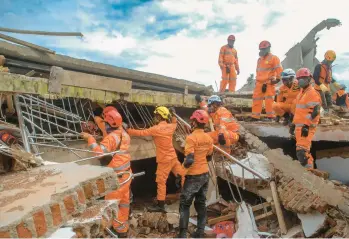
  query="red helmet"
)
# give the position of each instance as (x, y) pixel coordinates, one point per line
(231, 37)
(112, 116)
(303, 72)
(264, 44)
(200, 116)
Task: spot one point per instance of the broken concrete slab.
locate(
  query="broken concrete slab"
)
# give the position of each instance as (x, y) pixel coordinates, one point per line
(93, 221)
(36, 203)
(334, 133)
(63, 232)
(246, 227)
(337, 167)
(312, 223)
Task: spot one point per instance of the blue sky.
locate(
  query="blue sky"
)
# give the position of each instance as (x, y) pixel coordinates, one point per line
(179, 38)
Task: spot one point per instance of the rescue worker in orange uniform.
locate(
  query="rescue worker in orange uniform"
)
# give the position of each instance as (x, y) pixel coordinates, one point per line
(286, 99)
(229, 64)
(268, 74)
(116, 140)
(202, 104)
(225, 125)
(198, 152)
(166, 157)
(100, 121)
(323, 77)
(341, 98)
(306, 118)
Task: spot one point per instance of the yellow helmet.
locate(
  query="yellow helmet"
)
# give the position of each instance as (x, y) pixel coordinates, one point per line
(330, 55)
(163, 111)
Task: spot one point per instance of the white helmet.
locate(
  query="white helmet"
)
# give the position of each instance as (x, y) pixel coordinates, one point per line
(288, 73)
(214, 98)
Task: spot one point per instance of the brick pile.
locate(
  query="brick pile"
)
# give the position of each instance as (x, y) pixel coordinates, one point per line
(93, 221)
(36, 203)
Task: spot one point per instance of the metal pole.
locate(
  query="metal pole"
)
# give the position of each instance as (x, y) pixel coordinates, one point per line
(98, 156)
(251, 170)
(65, 34)
(22, 125)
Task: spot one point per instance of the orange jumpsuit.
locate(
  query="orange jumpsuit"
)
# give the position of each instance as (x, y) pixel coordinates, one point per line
(268, 67)
(341, 98)
(305, 103)
(322, 75)
(101, 125)
(228, 57)
(166, 157)
(118, 140)
(224, 123)
(200, 144)
(286, 99)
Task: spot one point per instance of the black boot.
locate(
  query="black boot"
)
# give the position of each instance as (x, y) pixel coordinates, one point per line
(277, 119)
(328, 97)
(184, 214)
(202, 216)
(286, 119)
(158, 207)
(182, 233)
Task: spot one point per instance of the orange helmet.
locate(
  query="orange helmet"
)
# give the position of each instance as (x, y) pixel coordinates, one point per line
(303, 72)
(112, 116)
(231, 37)
(264, 44)
(330, 55)
(200, 116)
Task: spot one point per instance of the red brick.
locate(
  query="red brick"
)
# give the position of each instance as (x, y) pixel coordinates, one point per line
(100, 185)
(5, 234)
(88, 190)
(69, 204)
(40, 223)
(56, 214)
(81, 196)
(23, 231)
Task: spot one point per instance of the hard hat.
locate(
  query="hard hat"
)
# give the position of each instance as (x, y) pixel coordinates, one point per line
(303, 72)
(112, 116)
(343, 87)
(264, 44)
(288, 73)
(200, 116)
(231, 37)
(330, 55)
(162, 111)
(214, 98)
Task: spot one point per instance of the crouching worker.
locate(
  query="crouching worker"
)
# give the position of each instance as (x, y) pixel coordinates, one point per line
(226, 128)
(166, 157)
(198, 151)
(116, 140)
(306, 118)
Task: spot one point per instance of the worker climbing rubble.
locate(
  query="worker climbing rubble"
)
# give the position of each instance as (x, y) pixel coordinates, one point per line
(116, 140)
(268, 74)
(306, 118)
(229, 64)
(225, 126)
(198, 151)
(323, 78)
(286, 99)
(166, 157)
(341, 98)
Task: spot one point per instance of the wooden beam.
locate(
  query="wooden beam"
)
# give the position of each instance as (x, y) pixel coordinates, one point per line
(25, 43)
(44, 33)
(264, 215)
(229, 216)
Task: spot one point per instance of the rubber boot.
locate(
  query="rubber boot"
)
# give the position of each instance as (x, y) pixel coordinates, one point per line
(323, 99)
(200, 228)
(158, 207)
(184, 214)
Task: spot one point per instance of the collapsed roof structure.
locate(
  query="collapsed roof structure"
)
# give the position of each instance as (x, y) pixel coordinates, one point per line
(48, 99)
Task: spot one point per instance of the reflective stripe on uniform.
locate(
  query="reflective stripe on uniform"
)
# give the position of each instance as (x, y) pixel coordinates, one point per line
(104, 149)
(270, 113)
(124, 205)
(309, 117)
(116, 138)
(93, 145)
(122, 225)
(269, 97)
(256, 113)
(301, 125)
(228, 119)
(122, 167)
(307, 105)
(258, 98)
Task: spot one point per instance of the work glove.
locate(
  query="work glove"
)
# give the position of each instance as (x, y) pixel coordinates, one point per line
(292, 129)
(221, 139)
(227, 69)
(178, 181)
(316, 112)
(172, 110)
(209, 158)
(98, 111)
(264, 88)
(305, 131)
(189, 160)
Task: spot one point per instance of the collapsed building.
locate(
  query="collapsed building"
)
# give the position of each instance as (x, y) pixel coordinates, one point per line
(52, 185)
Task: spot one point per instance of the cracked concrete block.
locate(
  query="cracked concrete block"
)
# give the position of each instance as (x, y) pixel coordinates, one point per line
(36, 203)
(312, 223)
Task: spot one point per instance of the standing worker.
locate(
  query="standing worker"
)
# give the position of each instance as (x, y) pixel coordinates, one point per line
(198, 152)
(166, 157)
(229, 64)
(268, 74)
(119, 140)
(286, 99)
(225, 125)
(341, 98)
(323, 78)
(306, 118)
